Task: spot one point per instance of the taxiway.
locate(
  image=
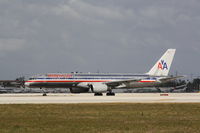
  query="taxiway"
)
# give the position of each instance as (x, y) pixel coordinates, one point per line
(90, 98)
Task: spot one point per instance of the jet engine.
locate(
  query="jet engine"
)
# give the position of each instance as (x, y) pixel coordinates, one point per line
(79, 90)
(98, 87)
(89, 87)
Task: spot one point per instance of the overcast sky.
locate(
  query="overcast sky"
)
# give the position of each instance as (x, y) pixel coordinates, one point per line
(97, 35)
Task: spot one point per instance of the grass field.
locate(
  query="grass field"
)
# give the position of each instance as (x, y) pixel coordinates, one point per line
(101, 118)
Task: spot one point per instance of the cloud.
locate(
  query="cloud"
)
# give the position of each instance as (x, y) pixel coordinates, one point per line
(108, 35)
(11, 45)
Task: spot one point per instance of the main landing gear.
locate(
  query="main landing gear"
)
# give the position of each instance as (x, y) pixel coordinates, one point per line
(110, 93)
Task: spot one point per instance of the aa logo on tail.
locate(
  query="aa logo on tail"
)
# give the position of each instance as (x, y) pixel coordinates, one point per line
(162, 65)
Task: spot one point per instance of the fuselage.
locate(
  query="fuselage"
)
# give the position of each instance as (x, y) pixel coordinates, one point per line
(72, 80)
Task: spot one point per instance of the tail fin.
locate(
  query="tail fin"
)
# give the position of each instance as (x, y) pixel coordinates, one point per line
(162, 66)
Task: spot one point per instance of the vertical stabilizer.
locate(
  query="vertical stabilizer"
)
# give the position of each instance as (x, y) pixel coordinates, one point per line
(162, 66)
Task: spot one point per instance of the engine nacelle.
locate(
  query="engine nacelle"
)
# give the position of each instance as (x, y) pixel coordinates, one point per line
(99, 87)
(83, 85)
(79, 90)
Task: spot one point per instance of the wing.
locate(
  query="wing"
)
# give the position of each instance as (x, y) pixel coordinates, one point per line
(120, 82)
(123, 82)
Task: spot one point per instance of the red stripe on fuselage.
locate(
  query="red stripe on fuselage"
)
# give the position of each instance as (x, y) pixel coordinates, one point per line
(146, 81)
(41, 81)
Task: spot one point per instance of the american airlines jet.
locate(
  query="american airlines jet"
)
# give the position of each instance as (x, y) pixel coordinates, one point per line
(99, 83)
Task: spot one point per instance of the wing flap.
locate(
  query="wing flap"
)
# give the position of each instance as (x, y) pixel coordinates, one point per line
(119, 82)
(171, 78)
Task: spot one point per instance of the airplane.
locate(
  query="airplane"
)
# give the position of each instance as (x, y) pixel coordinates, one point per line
(99, 83)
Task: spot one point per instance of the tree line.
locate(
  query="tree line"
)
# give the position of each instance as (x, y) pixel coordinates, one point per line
(191, 86)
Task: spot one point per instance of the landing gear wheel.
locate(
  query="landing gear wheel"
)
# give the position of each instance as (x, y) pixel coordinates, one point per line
(110, 94)
(44, 92)
(98, 94)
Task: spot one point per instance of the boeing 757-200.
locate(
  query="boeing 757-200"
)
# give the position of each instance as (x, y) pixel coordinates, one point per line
(99, 83)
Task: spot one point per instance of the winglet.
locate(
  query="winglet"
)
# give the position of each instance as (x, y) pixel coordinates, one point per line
(162, 66)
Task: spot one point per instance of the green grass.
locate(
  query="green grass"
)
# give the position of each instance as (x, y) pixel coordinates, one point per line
(101, 118)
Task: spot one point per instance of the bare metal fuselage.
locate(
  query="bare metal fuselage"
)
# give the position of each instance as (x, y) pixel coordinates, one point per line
(73, 80)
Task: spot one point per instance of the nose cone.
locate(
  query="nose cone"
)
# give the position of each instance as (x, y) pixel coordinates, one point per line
(27, 84)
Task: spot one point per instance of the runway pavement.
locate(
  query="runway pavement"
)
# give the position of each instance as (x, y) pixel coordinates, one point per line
(90, 98)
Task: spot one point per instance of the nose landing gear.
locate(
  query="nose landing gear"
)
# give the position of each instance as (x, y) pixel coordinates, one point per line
(44, 92)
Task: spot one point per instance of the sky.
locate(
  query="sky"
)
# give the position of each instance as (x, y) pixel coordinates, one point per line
(119, 36)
